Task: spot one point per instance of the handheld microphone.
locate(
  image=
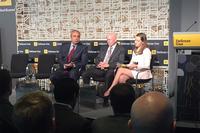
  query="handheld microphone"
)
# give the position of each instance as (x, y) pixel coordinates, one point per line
(191, 26)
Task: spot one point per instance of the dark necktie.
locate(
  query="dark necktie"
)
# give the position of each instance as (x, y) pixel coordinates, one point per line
(69, 56)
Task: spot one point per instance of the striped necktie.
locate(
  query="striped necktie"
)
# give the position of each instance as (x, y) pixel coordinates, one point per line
(69, 56)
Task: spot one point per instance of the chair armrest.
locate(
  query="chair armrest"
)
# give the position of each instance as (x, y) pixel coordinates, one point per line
(139, 71)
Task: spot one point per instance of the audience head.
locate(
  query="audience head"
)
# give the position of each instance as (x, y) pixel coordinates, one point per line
(152, 113)
(111, 39)
(66, 90)
(122, 96)
(75, 36)
(140, 43)
(5, 83)
(33, 113)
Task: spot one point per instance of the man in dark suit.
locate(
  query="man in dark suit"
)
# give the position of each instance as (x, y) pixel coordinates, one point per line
(65, 92)
(72, 58)
(106, 62)
(122, 96)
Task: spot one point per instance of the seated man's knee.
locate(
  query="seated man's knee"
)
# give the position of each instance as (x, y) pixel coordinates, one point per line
(74, 75)
(109, 75)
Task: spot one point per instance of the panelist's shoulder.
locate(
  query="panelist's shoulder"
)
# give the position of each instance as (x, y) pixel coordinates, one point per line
(65, 44)
(147, 50)
(120, 47)
(83, 47)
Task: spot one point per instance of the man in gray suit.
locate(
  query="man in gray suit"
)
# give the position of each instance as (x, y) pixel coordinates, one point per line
(106, 62)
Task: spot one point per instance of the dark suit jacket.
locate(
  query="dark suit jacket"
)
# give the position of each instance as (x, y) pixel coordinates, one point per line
(111, 124)
(80, 56)
(116, 57)
(6, 110)
(69, 122)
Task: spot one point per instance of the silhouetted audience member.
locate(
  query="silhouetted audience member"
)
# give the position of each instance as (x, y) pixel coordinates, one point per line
(6, 108)
(152, 113)
(7, 127)
(66, 91)
(33, 113)
(122, 97)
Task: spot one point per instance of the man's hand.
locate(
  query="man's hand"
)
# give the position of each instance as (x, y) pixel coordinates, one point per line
(69, 65)
(102, 65)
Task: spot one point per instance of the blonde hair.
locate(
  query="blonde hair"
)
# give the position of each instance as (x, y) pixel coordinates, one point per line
(140, 49)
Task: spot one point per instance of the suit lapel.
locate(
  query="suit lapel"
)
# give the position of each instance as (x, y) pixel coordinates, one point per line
(104, 52)
(67, 49)
(114, 52)
(78, 48)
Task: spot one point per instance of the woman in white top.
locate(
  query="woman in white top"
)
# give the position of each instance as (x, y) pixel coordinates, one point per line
(141, 59)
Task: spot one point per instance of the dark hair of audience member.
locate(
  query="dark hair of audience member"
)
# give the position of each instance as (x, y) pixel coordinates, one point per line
(5, 83)
(33, 113)
(7, 127)
(122, 96)
(66, 91)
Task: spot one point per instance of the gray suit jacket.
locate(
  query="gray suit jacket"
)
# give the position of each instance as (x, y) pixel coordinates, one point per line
(116, 57)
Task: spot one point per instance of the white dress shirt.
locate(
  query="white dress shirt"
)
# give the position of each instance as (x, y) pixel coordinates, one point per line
(107, 53)
(71, 47)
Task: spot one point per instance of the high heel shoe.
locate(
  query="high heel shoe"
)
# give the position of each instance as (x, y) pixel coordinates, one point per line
(107, 93)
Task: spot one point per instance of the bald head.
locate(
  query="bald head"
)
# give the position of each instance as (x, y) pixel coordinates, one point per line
(111, 39)
(152, 113)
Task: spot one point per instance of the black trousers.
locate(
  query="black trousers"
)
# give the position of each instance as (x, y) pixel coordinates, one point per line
(107, 75)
